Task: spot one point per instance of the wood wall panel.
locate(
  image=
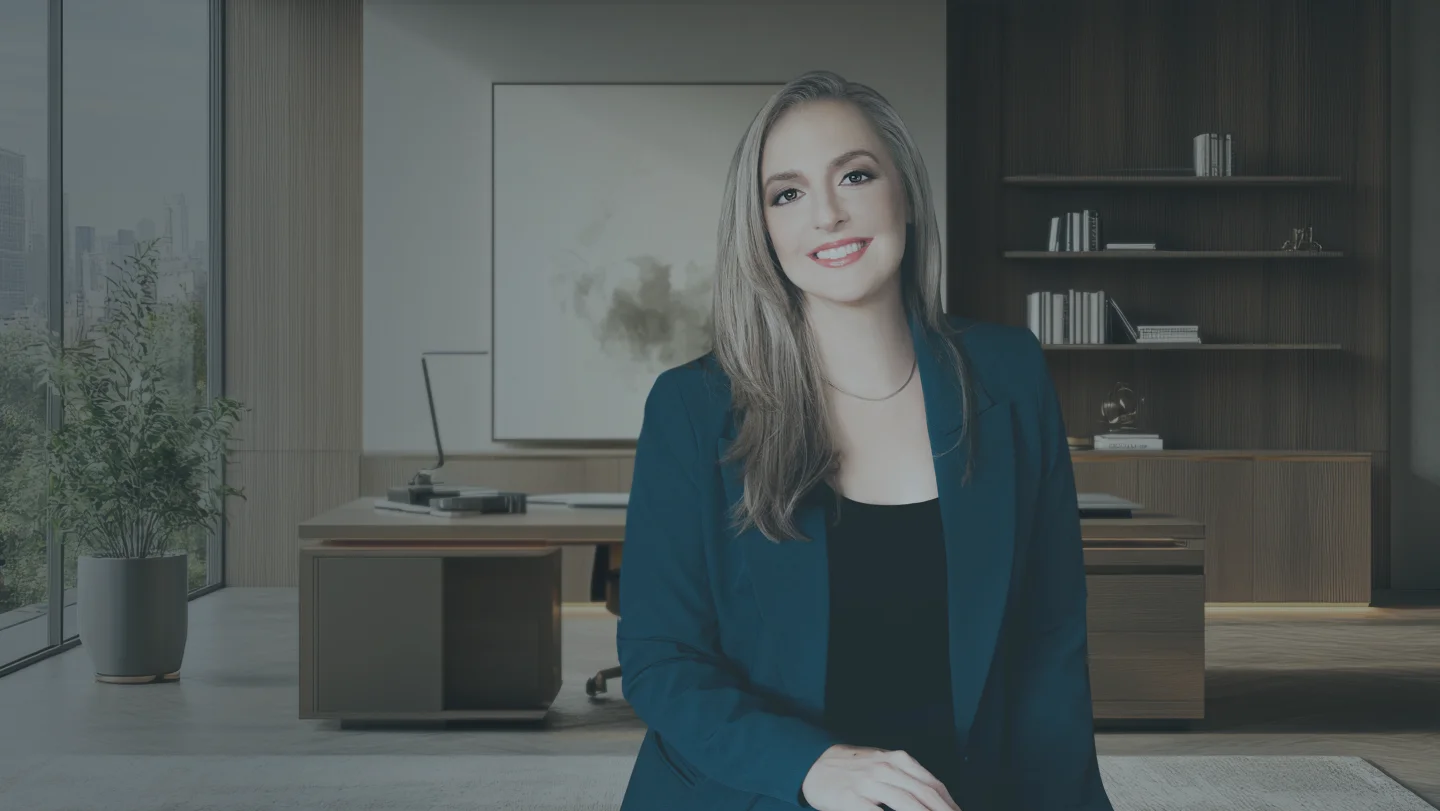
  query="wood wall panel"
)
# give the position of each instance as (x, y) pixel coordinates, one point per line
(1093, 87)
(261, 542)
(293, 286)
(1228, 504)
(1304, 533)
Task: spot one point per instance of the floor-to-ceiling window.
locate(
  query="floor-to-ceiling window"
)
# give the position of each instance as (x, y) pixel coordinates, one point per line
(24, 299)
(108, 156)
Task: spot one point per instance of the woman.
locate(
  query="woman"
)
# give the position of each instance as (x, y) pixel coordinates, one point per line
(853, 574)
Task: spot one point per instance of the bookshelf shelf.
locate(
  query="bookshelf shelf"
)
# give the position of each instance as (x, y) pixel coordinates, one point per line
(1186, 347)
(1173, 181)
(1131, 255)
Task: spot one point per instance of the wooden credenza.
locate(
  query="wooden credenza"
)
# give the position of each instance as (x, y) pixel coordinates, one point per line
(1282, 527)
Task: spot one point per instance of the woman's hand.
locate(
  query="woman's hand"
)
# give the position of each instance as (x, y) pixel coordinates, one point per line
(858, 778)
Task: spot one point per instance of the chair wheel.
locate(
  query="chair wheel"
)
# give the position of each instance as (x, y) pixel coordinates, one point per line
(591, 687)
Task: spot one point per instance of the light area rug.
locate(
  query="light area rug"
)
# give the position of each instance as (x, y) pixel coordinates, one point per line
(597, 783)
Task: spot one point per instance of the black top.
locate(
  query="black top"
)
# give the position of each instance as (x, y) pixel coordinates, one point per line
(888, 669)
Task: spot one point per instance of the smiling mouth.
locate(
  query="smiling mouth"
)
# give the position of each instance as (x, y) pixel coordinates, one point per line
(841, 255)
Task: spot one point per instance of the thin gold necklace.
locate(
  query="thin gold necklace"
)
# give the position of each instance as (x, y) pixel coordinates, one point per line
(914, 363)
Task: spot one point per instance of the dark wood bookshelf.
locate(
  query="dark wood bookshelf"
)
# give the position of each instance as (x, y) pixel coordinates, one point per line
(1176, 181)
(1190, 347)
(1057, 107)
(1122, 255)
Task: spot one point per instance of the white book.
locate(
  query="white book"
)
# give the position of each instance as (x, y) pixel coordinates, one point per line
(1136, 444)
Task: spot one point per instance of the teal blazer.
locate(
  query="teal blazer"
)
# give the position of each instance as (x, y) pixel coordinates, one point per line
(722, 637)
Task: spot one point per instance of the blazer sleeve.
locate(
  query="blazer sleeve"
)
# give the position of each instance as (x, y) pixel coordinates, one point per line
(675, 675)
(1052, 730)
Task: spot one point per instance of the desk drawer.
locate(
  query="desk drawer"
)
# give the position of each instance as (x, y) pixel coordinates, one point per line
(379, 634)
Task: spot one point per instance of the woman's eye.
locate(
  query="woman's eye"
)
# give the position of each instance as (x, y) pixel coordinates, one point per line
(781, 199)
(860, 176)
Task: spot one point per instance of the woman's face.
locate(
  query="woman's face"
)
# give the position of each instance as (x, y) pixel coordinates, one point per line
(834, 202)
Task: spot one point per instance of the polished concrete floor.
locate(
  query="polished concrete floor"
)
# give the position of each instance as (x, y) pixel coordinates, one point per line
(1359, 682)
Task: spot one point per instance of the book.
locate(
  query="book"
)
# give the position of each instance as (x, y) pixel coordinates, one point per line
(1071, 317)
(1113, 442)
(1075, 231)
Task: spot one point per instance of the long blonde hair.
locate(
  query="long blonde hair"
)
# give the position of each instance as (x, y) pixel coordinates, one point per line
(762, 341)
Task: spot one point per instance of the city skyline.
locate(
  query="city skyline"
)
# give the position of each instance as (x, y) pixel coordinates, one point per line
(125, 152)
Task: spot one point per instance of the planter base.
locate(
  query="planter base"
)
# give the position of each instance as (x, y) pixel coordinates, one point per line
(168, 677)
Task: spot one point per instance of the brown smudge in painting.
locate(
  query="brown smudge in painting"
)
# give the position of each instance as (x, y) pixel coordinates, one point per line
(649, 319)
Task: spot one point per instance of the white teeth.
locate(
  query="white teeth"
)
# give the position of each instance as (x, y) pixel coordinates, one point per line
(844, 250)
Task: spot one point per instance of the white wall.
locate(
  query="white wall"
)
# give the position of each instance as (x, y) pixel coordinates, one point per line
(428, 71)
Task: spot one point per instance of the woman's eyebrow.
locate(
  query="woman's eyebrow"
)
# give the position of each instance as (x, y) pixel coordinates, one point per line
(791, 174)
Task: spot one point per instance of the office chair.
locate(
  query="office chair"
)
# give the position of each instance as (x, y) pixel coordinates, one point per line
(605, 585)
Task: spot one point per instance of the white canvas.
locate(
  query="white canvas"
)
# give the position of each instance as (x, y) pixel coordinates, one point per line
(606, 204)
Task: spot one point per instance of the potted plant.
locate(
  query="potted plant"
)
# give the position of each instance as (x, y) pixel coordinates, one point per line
(133, 468)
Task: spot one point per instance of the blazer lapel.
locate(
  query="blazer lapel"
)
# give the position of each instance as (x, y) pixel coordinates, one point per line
(979, 523)
(791, 578)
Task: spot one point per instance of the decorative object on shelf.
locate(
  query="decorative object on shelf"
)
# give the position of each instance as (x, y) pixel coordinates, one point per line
(1302, 239)
(1075, 231)
(1121, 411)
(1214, 155)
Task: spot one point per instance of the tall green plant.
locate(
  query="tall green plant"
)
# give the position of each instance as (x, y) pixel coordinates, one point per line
(133, 465)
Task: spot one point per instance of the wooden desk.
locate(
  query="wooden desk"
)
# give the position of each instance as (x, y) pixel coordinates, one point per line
(412, 617)
(1145, 617)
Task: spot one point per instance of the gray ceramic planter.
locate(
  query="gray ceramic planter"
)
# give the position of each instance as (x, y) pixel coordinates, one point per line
(134, 616)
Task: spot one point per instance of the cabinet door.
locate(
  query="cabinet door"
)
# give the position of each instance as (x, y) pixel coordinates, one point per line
(378, 635)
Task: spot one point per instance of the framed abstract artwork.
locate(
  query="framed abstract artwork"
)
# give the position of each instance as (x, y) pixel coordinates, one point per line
(606, 202)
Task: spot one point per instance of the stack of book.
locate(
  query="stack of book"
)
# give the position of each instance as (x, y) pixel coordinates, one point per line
(1167, 334)
(1127, 441)
(1075, 231)
(1129, 246)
